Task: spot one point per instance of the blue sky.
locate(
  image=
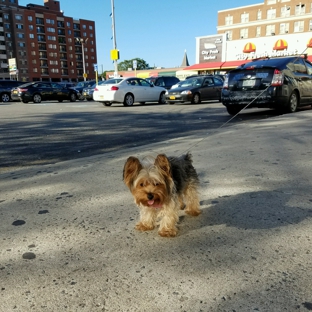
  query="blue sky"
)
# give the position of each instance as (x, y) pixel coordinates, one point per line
(156, 31)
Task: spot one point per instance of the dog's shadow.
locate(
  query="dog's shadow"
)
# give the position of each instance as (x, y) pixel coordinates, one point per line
(253, 210)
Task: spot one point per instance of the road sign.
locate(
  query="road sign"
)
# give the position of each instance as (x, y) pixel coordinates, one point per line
(95, 67)
(135, 64)
(85, 75)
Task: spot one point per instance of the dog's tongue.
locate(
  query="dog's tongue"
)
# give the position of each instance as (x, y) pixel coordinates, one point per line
(152, 203)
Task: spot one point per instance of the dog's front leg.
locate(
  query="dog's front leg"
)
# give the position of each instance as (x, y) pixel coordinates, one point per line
(169, 214)
(147, 219)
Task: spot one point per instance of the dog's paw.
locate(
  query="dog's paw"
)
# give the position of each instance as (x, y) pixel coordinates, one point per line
(168, 232)
(144, 227)
(193, 213)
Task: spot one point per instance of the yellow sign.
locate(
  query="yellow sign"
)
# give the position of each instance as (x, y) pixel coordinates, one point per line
(85, 75)
(114, 55)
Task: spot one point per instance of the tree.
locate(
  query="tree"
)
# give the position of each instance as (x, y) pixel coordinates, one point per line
(125, 65)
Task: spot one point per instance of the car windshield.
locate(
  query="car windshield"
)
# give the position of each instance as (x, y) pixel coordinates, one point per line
(191, 82)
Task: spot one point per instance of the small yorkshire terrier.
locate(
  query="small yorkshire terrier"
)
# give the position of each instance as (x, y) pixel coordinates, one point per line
(162, 186)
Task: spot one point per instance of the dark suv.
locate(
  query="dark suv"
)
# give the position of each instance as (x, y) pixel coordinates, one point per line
(163, 81)
(282, 83)
(5, 89)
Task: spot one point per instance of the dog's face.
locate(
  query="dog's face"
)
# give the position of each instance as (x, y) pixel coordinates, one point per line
(150, 182)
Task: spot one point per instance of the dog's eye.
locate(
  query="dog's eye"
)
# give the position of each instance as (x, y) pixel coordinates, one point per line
(141, 184)
(156, 183)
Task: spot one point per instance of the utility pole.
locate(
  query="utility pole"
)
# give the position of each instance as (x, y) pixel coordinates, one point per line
(83, 41)
(114, 38)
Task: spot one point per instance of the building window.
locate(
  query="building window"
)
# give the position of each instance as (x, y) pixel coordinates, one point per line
(53, 38)
(245, 18)
(35, 70)
(8, 35)
(259, 15)
(229, 20)
(84, 34)
(31, 36)
(68, 24)
(84, 26)
(29, 18)
(31, 27)
(271, 13)
(270, 30)
(50, 21)
(90, 27)
(22, 44)
(258, 31)
(310, 25)
(32, 44)
(271, 2)
(285, 11)
(34, 62)
(284, 28)
(299, 26)
(244, 33)
(91, 35)
(69, 32)
(19, 26)
(6, 16)
(300, 9)
(51, 29)
(18, 17)
(7, 26)
(20, 36)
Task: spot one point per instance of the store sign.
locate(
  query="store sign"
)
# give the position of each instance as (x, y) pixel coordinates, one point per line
(210, 49)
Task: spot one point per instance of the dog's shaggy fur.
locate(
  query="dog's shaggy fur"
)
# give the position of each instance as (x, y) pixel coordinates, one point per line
(161, 186)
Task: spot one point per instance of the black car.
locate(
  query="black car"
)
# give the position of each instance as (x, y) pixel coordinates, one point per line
(82, 85)
(5, 89)
(282, 83)
(43, 91)
(195, 90)
(163, 81)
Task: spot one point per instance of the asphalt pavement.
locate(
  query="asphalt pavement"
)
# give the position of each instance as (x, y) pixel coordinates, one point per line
(68, 241)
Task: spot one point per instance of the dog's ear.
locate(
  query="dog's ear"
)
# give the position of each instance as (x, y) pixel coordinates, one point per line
(162, 162)
(131, 170)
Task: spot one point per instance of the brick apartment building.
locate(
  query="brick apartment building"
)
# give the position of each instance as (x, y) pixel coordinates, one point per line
(40, 43)
(271, 28)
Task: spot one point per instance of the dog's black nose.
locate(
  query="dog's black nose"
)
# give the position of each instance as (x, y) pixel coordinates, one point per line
(150, 196)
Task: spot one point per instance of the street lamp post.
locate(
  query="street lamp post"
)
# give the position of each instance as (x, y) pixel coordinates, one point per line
(82, 41)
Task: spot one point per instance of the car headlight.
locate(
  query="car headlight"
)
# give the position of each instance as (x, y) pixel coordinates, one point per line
(167, 92)
(186, 92)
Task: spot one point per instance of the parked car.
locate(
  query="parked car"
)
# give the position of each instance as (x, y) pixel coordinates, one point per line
(5, 89)
(163, 81)
(128, 91)
(82, 85)
(88, 92)
(195, 90)
(282, 83)
(43, 91)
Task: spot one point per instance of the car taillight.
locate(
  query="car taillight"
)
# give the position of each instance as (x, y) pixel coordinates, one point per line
(226, 82)
(96, 89)
(114, 88)
(278, 78)
(22, 90)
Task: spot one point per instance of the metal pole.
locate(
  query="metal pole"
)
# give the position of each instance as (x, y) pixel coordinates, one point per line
(83, 60)
(114, 37)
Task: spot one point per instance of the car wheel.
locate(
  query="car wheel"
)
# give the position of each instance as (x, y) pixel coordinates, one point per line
(37, 98)
(196, 99)
(107, 103)
(162, 99)
(5, 97)
(233, 109)
(129, 100)
(73, 97)
(292, 103)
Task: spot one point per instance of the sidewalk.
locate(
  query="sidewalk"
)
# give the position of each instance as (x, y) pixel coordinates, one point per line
(249, 250)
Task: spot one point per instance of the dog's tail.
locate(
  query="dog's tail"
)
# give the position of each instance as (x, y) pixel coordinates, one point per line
(188, 157)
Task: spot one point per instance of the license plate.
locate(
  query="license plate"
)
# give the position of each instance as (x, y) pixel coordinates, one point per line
(249, 83)
(101, 97)
(172, 97)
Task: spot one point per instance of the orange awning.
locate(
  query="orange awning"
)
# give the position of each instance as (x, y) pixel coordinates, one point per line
(249, 47)
(280, 44)
(233, 64)
(309, 44)
(203, 66)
